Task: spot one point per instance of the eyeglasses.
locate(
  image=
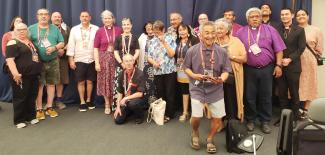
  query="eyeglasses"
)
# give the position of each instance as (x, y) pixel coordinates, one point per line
(43, 14)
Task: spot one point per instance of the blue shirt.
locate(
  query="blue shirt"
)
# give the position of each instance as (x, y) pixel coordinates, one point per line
(158, 53)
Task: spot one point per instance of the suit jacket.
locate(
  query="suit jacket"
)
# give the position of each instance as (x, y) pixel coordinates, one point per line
(296, 44)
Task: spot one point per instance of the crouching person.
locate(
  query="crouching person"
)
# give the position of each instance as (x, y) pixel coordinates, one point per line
(131, 86)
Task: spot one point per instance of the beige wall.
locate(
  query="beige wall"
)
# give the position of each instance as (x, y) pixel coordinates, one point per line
(318, 20)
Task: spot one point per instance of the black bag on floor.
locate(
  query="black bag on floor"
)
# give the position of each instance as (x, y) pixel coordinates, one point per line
(284, 142)
(309, 139)
(235, 132)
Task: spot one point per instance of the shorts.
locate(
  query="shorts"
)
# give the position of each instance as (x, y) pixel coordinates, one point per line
(85, 71)
(64, 71)
(50, 72)
(217, 109)
(184, 88)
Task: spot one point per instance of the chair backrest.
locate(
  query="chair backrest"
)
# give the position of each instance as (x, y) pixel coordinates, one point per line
(317, 110)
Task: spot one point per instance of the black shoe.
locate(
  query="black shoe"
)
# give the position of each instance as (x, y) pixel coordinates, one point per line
(138, 121)
(277, 123)
(265, 127)
(83, 107)
(90, 105)
(250, 126)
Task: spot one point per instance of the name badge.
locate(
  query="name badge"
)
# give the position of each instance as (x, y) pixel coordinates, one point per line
(110, 48)
(35, 58)
(179, 63)
(255, 49)
(45, 43)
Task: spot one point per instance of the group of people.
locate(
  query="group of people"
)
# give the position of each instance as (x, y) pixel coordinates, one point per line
(221, 67)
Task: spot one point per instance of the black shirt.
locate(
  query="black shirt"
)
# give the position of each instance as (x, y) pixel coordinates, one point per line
(23, 59)
(133, 46)
(295, 40)
(137, 82)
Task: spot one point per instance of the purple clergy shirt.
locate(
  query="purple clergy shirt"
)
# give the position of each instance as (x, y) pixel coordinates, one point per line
(235, 28)
(207, 92)
(270, 43)
(100, 40)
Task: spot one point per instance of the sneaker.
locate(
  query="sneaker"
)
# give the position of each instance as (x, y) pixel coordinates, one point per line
(250, 126)
(40, 115)
(59, 104)
(83, 107)
(21, 125)
(34, 121)
(90, 105)
(51, 112)
(265, 127)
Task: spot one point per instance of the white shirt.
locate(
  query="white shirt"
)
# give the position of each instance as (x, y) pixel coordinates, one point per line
(81, 43)
(142, 43)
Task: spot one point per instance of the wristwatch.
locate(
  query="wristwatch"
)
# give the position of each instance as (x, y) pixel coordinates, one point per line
(278, 65)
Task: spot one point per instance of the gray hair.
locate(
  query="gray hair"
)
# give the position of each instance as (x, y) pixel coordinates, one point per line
(225, 23)
(108, 13)
(254, 9)
(43, 9)
(209, 23)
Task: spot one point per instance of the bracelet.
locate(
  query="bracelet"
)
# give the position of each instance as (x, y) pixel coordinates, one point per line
(278, 65)
(55, 47)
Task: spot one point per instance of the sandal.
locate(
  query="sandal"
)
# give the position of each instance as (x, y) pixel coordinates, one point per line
(211, 148)
(108, 111)
(166, 119)
(195, 142)
(184, 117)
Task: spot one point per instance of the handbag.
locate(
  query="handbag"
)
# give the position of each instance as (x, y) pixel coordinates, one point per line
(156, 111)
(318, 58)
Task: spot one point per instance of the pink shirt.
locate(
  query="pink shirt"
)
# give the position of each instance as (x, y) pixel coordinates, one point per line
(101, 42)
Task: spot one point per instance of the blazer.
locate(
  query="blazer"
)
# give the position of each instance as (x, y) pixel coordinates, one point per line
(296, 44)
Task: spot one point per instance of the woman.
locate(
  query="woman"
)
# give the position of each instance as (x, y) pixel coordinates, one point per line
(25, 67)
(127, 43)
(10, 35)
(147, 67)
(104, 58)
(184, 41)
(142, 44)
(161, 52)
(234, 85)
(308, 76)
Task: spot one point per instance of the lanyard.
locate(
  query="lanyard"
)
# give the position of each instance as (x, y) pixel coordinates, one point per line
(127, 90)
(126, 49)
(83, 35)
(212, 61)
(250, 34)
(39, 37)
(109, 39)
(180, 50)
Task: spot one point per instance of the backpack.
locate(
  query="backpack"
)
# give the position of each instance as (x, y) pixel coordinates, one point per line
(235, 133)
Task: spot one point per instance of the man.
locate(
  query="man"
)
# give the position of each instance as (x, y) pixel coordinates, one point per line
(81, 58)
(175, 19)
(48, 40)
(203, 18)
(266, 15)
(207, 65)
(130, 90)
(229, 14)
(56, 19)
(264, 48)
(295, 40)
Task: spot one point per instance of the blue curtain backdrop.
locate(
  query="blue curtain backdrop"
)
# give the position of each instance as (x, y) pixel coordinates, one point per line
(140, 11)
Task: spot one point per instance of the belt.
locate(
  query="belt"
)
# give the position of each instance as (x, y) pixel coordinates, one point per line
(261, 66)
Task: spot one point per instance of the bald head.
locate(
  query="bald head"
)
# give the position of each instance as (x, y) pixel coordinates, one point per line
(175, 19)
(56, 18)
(128, 61)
